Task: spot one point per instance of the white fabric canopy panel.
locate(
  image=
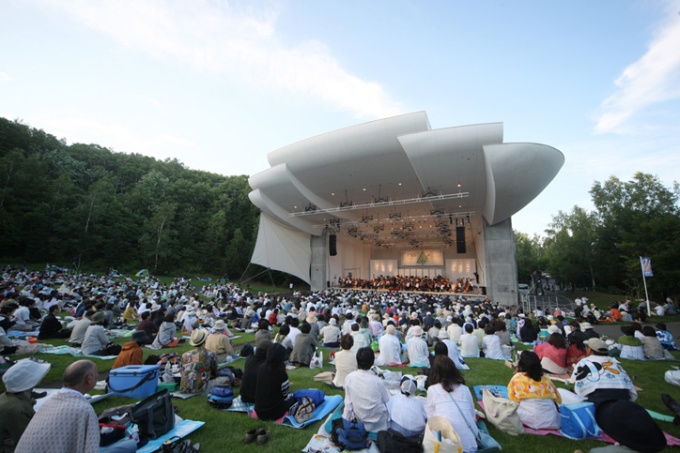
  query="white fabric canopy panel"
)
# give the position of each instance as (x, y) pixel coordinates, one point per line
(282, 248)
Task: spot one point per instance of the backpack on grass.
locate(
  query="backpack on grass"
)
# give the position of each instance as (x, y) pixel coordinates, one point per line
(221, 396)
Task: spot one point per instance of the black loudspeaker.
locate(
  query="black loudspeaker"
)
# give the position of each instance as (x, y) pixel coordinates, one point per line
(333, 244)
(460, 239)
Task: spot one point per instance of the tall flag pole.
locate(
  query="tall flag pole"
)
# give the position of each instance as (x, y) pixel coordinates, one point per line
(646, 265)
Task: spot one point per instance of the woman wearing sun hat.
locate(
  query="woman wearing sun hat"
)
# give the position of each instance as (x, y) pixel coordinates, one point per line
(218, 342)
(16, 404)
(199, 366)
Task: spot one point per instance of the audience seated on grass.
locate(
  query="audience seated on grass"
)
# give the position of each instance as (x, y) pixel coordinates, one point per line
(553, 353)
(390, 348)
(131, 353)
(251, 369)
(67, 421)
(651, 345)
(51, 326)
(450, 398)
(366, 395)
(469, 345)
(166, 334)
(491, 344)
(219, 343)
(16, 404)
(536, 394)
(665, 337)
(407, 412)
(263, 332)
(273, 397)
(345, 361)
(199, 366)
(630, 345)
(96, 341)
(416, 347)
(330, 334)
(598, 377)
(304, 347)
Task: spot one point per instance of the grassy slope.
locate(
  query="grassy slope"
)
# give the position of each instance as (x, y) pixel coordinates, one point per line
(224, 431)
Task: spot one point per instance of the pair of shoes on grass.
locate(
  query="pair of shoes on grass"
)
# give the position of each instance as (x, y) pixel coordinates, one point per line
(673, 405)
(260, 435)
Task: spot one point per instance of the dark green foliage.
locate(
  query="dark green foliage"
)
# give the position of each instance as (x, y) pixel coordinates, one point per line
(601, 249)
(85, 206)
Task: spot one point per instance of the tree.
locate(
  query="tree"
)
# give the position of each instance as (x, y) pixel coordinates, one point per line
(639, 218)
(570, 248)
(529, 255)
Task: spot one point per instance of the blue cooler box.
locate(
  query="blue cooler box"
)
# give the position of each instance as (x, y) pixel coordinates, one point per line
(134, 381)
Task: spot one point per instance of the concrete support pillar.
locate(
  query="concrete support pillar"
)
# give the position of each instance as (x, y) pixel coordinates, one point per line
(501, 262)
(319, 270)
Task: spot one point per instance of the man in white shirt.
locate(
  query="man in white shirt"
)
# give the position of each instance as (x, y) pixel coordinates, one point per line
(418, 354)
(366, 396)
(469, 344)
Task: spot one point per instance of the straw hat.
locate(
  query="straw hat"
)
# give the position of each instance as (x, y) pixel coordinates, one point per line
(198, 337)
(416, 331)
(25, 374)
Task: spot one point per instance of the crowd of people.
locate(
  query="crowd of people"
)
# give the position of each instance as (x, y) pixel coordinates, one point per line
(363, 329)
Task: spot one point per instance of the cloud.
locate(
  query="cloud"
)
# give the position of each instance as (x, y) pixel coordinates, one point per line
(236, 41)
(115, 135)
(652, 79)
(4, 77)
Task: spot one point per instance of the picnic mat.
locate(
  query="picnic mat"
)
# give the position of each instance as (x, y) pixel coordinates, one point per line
(501, 389)
(182, 429)
(330, 403)
(239, 406)
(75, 352)
(670, 440)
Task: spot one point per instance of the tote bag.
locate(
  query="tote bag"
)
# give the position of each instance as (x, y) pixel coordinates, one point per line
(502, 413)
(578, 421)
(440, 437)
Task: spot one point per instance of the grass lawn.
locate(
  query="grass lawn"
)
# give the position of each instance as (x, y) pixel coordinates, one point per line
(224, 431)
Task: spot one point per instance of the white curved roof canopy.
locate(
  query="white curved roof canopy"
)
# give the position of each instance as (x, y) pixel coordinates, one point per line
(374, 181)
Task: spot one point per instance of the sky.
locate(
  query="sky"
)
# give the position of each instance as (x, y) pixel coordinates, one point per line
(219, 84)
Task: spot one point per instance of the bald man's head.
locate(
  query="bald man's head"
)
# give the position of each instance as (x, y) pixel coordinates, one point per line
(78, 372)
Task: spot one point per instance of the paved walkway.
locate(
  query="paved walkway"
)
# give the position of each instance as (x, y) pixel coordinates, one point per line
(613, 330)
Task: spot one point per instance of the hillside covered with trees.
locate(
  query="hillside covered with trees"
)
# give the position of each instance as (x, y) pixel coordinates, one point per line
(85, 206)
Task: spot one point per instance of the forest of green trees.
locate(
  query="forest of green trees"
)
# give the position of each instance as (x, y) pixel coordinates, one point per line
(84, 206)
(602, 249)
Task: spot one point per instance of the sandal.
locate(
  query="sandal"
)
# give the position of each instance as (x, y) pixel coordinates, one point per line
(251, 436)
(263, 436)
